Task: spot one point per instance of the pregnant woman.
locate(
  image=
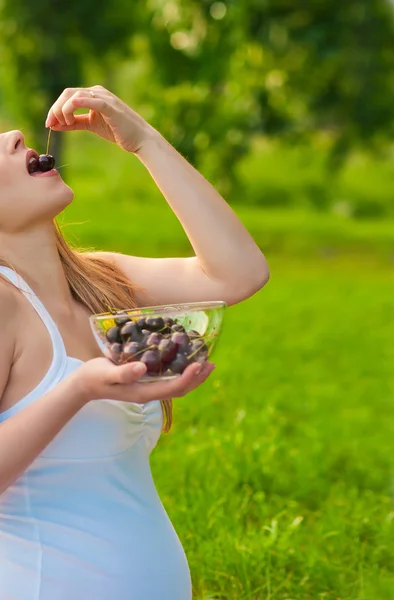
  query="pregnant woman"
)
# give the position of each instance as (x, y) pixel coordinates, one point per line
(80, 518)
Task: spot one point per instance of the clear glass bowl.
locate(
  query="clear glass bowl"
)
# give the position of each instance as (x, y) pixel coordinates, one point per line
(166, 338)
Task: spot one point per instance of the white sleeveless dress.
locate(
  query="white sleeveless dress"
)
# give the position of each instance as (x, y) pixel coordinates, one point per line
(85, 522)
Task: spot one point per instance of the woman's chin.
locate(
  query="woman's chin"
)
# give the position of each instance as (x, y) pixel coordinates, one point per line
(64, 196)
(68, 194)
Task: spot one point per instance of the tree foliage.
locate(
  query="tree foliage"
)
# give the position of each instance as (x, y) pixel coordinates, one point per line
(282, 69)
(47, 45)
(211, 74)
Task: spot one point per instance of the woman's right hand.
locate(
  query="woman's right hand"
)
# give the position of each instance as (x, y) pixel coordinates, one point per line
(100, 379)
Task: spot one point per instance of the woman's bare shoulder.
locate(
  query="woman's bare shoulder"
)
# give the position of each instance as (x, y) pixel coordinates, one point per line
(9, 305)
(8, 292)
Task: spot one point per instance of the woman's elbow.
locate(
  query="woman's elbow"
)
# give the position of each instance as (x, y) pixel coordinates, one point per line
(258, 279)
(247, 286)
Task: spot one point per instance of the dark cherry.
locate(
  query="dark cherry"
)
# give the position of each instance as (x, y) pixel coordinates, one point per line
(145, 334)
(122, 319)
(168, 323)
(34, 166)
(196, 345)
(113, 335)
(179, 364)
(130, 332)
(167, 350)
(46, 162)
(141, 323)
(130, 350)
(182, 341)
(154, 323)
(193, 334)
(152, 361)
(115, 351)
(154, 339)
(197, 350)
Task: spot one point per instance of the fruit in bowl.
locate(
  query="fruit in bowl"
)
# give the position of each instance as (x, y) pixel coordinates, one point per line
(165, 338)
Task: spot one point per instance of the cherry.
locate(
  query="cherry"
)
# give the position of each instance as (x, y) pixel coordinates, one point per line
(130, 332)
(113, 335)
(154, 324)
(152, 361)
(115, 351)
(179, 364)
(130, 350)
(46, 162)
(154, 339)
(197, 350)
(34, 165)
(167, 350)
(168, 323)
(193, 334)
(122, 319)
(141, 323)
(181, 339)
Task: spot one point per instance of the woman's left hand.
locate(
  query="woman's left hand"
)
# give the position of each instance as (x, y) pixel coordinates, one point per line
(108, 117)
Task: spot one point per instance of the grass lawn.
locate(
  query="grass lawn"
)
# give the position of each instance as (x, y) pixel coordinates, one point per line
(278, 474)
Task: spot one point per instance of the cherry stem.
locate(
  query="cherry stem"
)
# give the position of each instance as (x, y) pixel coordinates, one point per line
(49, 139)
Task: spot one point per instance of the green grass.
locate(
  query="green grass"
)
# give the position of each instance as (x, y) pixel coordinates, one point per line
(278, 474)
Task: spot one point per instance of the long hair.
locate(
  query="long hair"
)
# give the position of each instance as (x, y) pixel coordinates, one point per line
(99, 285)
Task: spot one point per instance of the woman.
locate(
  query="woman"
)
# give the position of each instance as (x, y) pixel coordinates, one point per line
(80, 518)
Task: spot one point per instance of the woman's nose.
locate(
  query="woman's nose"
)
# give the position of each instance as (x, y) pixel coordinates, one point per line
(16, 140)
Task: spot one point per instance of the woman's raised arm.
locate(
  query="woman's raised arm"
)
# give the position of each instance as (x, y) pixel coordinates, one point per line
(228, 265)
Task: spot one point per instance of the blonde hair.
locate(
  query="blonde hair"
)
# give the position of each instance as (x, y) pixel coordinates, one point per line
(100, 286)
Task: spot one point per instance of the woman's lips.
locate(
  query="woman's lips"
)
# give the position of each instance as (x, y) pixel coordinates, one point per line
(45, 174)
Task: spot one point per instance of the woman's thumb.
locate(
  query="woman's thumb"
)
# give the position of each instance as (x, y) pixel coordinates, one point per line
(129, 373)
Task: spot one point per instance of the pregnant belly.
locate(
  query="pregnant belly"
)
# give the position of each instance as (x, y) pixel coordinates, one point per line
(145, 561)
(89, 530)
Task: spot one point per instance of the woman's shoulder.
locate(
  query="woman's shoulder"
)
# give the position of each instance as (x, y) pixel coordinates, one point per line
(9, 304)
(8, 292)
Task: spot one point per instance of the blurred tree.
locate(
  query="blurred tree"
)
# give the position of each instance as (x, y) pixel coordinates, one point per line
(220, 71)
(210, 74)
(45, 47)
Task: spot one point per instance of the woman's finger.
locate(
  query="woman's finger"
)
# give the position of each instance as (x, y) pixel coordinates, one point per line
(127, 374)
(81, 123)
(98, 104)
(55, 114)
(201, 377)
(69, 107)
(198, 379)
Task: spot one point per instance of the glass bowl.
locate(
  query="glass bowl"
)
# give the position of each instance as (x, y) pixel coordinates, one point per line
(166, 338)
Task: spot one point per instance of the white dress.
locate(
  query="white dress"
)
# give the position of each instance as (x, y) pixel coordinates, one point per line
(85, 522)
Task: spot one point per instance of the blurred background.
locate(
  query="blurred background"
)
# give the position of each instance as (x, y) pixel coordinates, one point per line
(278, 473)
